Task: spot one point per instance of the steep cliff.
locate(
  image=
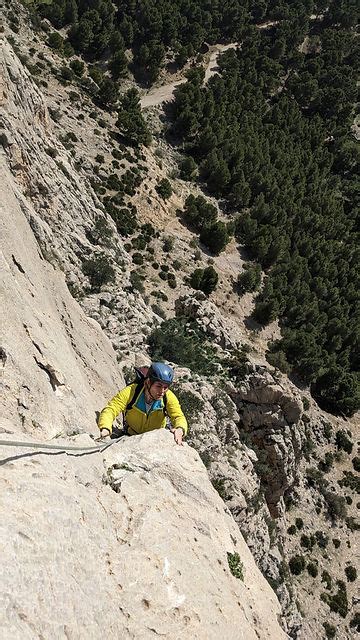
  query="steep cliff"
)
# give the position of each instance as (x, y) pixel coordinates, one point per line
(131, 543)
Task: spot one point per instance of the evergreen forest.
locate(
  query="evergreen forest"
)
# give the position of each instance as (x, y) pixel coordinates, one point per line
(271, 136)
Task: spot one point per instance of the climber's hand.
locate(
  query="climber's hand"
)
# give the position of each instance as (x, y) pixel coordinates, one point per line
(178, 435)
(104, 433)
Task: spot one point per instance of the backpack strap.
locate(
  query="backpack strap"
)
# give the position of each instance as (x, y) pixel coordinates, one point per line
(137, 391)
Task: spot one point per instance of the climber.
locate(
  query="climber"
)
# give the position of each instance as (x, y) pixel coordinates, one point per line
(145, 404)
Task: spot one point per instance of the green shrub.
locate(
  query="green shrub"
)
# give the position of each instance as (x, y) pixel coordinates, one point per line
(326, 464)
(351, 573)
(66, 73)
(351, 481)
(330, 630)
(326, 578)
(297, 565)
(339, 602)
(336, 505)
(164, 188)
(182, 341)
(235, 565)
(136, 281)
(191, 404)
(138, 258)
(216, 236)
(356, 463)
(77, 66)
(158, 310)
(313, 569)
(352, 524)
(336, 543)
(198, 213)
(321, 539)
(249, 279)
(292, 530)
(101, 231)
(168, 244)
(355, 622)
(307, 542)
(99, 271)
(172, 281)
(343, 441)
(188, 168)
(299, 523)
(204, 280)
(55, 41)
(99, 158)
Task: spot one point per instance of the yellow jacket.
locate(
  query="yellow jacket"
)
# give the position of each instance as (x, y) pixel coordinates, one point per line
(136, 418)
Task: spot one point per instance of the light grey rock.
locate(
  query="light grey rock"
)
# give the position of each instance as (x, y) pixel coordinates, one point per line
(145, 551)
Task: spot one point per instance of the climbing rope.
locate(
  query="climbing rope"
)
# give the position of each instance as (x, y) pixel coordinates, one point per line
(57, 447)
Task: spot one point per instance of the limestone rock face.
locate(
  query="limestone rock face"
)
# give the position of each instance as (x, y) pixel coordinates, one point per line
(269, 413)
(62, 208)
(223, 331)
(131, 543)
(57, 366)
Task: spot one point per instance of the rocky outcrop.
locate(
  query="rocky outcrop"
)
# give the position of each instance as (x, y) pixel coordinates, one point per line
(62, 209)
(269, 413)
(223, 331)
(132, 543)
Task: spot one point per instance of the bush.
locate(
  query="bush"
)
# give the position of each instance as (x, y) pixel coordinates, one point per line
(215, 237)
(249, 279)
(356, 463)
(188, 168)
(339, 602)
(77, 66)
(326, 464)
(66, 73)
(297, 565)
(343, 442)
(191, 404)
(326, 578)
(168, 244)
(235, 565)
(101, 231)
(164, 188)
(330, 630)
(138, 258)
(292, 530)
(204, 280)
(98, 270)
(299, 523)
(136, 281)
(158, 310)
(355, 622)
(55, 41)
(351, 573)
(336, 543)
(182, 341)
(321, 539)
(313, 569)
(172, 281)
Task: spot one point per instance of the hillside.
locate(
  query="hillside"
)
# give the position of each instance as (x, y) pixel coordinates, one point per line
(99, 257)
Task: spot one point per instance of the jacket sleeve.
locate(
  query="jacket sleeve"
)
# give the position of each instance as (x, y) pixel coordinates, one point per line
(116, 406)
(174, 411)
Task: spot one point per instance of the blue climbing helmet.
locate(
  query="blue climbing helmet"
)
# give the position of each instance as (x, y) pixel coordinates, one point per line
(161, 372)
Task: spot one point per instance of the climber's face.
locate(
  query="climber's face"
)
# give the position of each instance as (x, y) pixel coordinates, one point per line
(157, 389)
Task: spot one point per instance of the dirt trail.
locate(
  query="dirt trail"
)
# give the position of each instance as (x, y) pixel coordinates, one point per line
(157, 96)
